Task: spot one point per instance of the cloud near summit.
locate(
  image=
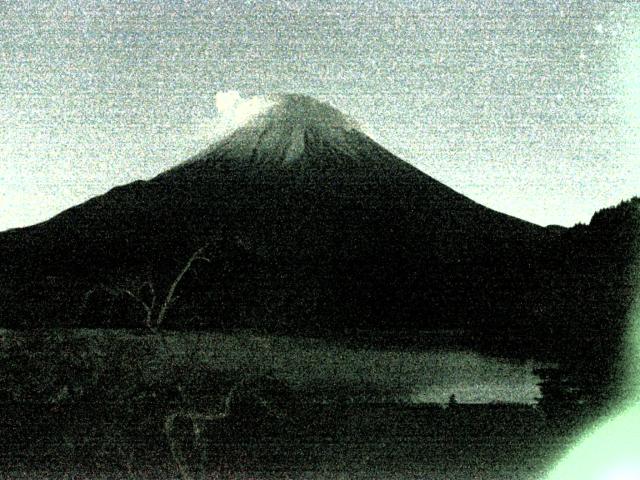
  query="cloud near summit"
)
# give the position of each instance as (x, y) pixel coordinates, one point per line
(233, 110)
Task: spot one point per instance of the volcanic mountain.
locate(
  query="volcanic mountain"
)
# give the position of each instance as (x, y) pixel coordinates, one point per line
(310, 226)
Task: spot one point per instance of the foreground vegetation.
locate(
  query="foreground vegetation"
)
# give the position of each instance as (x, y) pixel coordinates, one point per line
(118, 404)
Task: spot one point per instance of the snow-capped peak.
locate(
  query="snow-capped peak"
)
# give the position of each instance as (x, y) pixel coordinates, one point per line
(279, 132)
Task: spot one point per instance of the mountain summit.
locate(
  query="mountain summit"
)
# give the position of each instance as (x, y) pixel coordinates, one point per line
(279, 135)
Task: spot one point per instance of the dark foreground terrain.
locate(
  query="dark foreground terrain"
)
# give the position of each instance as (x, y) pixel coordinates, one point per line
(94, 404)
(313, 441)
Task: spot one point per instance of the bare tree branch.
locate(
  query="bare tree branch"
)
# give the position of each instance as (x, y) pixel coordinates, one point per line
(148, 300)
(197, 255)
(136, 295)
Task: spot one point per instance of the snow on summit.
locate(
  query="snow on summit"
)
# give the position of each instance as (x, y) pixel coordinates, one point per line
(275, 129)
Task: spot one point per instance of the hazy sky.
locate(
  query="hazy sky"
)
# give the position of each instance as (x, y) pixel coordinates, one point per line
(532, 108)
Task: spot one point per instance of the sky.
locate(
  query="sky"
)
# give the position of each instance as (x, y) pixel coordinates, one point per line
(529, 107)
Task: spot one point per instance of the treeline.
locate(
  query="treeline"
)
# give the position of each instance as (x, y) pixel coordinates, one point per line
(588, 315)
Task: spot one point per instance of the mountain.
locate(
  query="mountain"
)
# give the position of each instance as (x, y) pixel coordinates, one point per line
(310, 227)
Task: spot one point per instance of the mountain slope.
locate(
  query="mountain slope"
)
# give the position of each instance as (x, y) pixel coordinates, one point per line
(311, 227)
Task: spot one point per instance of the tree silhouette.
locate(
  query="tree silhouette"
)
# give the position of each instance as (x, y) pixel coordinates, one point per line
(142, 290)
(561, 393)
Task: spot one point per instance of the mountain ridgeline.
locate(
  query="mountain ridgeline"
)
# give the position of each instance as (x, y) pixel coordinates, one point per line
(311, 227)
